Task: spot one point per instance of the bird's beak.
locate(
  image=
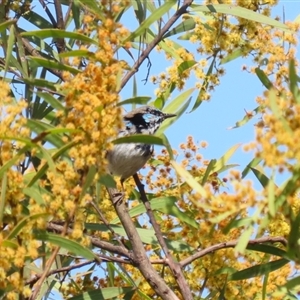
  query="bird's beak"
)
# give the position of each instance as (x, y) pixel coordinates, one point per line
(167, 116)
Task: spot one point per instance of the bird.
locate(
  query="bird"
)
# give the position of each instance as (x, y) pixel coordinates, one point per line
(125, 160)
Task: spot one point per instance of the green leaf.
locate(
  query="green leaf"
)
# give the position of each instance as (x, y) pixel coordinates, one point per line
(36, 19)
(235, 223)
(51, 64)
(135, 100)
(293, 283)
(155, 16)
(103, 293)
(9, 244)
(21, 224)
(107, 180)
(34, 193)
(185, 66)
(91, 6)
(258, 270)
(221, 162)
(174, 108)
(293, 79)
(9, 49)
(254, 162)
(3, 196)
(293, 238)
(176, 103)
(232, 56)
(146, 235)
(4, 25)
(21, 54)
(244, 240)
(262, 178)
(40, 127)
(55, 156)
(248, 117)
(204, 85)
(13, 161)
(60, 34)
(271, 196)
(193, 183)
(67, 244)
(269, 249)
(184, 26)
(263, 78)
(43, 83)
(77, 53)
(88, 180)
(165, 205)
(167, 145)
(54, 102)
(240, 12)
(278, 111)
(208, 170)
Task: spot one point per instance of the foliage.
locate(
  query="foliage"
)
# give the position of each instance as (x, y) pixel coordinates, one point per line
(66, 229)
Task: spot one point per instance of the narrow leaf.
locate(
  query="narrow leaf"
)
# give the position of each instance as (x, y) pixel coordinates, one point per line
(262, 178)
(103, 293)
(15, 231)
(66, 244)
(135, 100)
(155, 16)
(240, 12)
(60, 34)
(259, 270)
(263, 78)
(184, 26)
(3, 196)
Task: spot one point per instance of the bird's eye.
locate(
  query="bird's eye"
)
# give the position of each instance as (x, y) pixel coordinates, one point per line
(148, 117)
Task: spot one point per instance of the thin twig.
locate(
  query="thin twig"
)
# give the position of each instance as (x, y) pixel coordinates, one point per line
(174, 266)
(156, 41)
(34, 279)
(48, 12)
(231, 244)
(60, 42)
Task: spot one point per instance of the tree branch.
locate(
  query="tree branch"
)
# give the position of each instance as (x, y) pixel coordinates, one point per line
(231, 244)
(156, 41)
(140, 257)
(174, 266)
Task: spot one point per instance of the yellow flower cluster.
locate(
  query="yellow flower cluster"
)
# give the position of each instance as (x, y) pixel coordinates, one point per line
(13, 134)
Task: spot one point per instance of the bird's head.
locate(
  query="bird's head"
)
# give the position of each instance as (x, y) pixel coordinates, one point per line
(147, 118)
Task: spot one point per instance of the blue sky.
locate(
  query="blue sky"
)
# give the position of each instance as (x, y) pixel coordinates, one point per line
(210, 122)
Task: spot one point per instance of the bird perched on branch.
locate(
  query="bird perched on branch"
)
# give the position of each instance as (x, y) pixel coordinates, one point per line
(125, 160)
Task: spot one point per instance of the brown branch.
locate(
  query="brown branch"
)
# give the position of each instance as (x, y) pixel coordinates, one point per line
(36, 277)
(231, 244)
(48, 12)
(156, 41)
(174, 266)
(103, 219)
(102, 257)
(60, 43)
(69, 11)
(140, 257)
(95, 242)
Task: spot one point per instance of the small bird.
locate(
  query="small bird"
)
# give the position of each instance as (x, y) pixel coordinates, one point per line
(125, 160)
